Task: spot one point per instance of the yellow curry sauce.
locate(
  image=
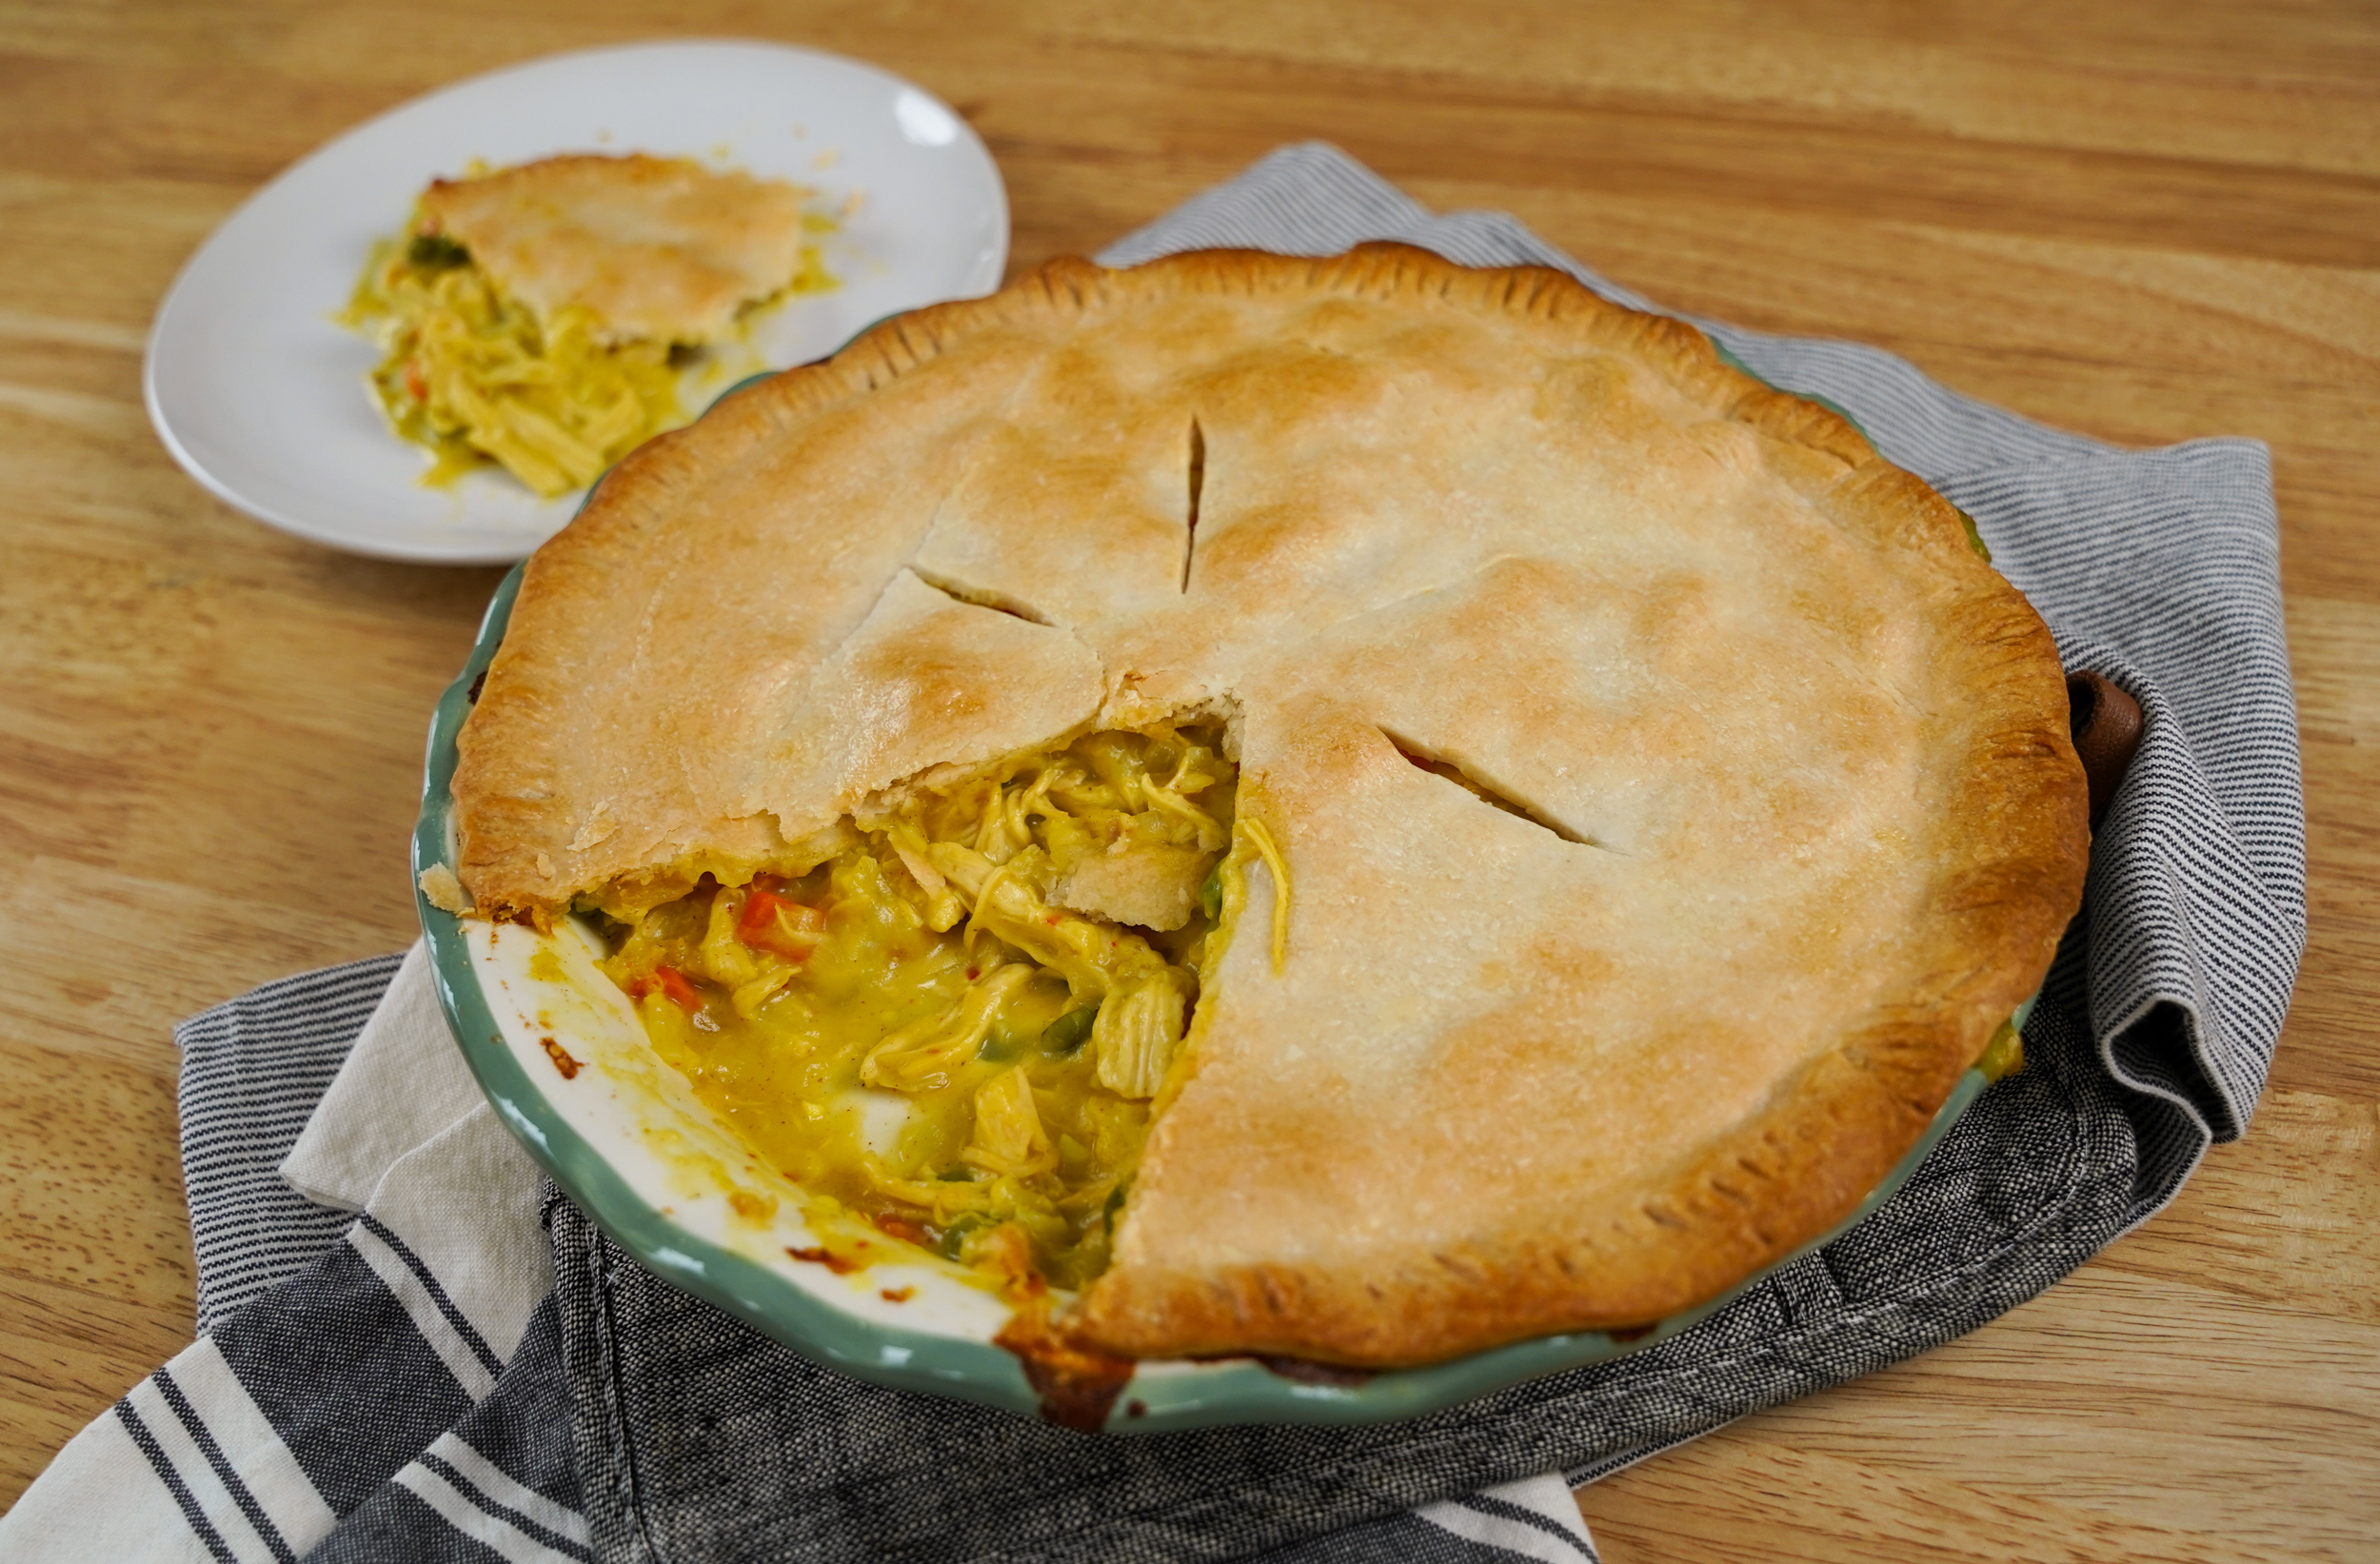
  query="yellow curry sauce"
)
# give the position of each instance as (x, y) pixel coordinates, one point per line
(958, 1026)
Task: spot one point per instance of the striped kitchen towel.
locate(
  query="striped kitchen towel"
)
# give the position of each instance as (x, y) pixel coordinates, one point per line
(437, 1378)
(381, 1375)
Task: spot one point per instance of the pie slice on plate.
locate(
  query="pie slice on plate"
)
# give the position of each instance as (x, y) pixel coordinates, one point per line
(655, 249)
(1359, 809)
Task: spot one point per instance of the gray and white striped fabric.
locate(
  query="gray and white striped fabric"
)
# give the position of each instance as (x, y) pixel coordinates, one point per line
(389, 1383)
(375, 1384)
(414, 1391)
(252, 1071)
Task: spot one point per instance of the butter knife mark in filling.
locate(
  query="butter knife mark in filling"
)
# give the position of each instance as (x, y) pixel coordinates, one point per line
(956, 1028)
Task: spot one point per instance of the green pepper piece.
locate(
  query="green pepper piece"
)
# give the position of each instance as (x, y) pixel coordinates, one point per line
(955, 1236)
(1070, 1031)
(436, 250)
(1975, 537)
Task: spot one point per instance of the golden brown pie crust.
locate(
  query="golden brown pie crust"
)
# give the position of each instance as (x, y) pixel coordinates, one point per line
(1795, 821)
(658, 248)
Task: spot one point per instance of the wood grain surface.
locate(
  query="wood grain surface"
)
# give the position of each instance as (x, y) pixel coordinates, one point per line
(2145, 222)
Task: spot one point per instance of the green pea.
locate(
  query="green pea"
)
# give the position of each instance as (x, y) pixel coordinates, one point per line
(999, 1045)
(1070, 1031)
(1211, 893)
(436, 249)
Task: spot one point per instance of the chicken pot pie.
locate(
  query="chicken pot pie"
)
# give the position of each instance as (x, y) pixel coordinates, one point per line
(534, 316)
(1356, 809)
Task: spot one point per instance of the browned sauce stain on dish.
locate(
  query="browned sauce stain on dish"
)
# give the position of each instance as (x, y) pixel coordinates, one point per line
(834, 1262)
(901, 1228)
(563, 1061)
(2107, 727)
(1306, 1372)
(1076, 1385)
(896, 1294)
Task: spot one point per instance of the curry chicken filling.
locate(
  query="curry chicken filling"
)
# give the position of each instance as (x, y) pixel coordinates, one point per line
(959, 1026)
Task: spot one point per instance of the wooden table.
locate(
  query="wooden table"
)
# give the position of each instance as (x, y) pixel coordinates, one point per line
(2147, 222)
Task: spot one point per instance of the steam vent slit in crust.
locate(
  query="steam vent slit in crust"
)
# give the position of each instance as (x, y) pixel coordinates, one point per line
(1364, 809)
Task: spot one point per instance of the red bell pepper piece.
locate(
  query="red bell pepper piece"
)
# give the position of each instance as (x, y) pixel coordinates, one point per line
(678, 988)
(777, 923)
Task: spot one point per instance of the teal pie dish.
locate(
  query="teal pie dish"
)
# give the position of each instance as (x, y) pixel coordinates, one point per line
(559, 1053)
(590, 1130)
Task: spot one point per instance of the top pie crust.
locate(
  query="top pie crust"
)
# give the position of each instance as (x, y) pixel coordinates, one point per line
(1802, 823)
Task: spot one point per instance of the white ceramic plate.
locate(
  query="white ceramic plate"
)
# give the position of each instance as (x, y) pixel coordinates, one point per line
(261, 397)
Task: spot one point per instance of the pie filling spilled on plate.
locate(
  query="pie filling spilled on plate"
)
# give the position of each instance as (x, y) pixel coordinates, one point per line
(959, 1027)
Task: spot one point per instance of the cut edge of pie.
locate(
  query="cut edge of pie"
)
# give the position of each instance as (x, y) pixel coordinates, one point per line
(555, 797)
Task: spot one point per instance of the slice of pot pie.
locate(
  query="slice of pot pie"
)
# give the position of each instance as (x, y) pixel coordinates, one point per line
(536, 315)
(1358, 809)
